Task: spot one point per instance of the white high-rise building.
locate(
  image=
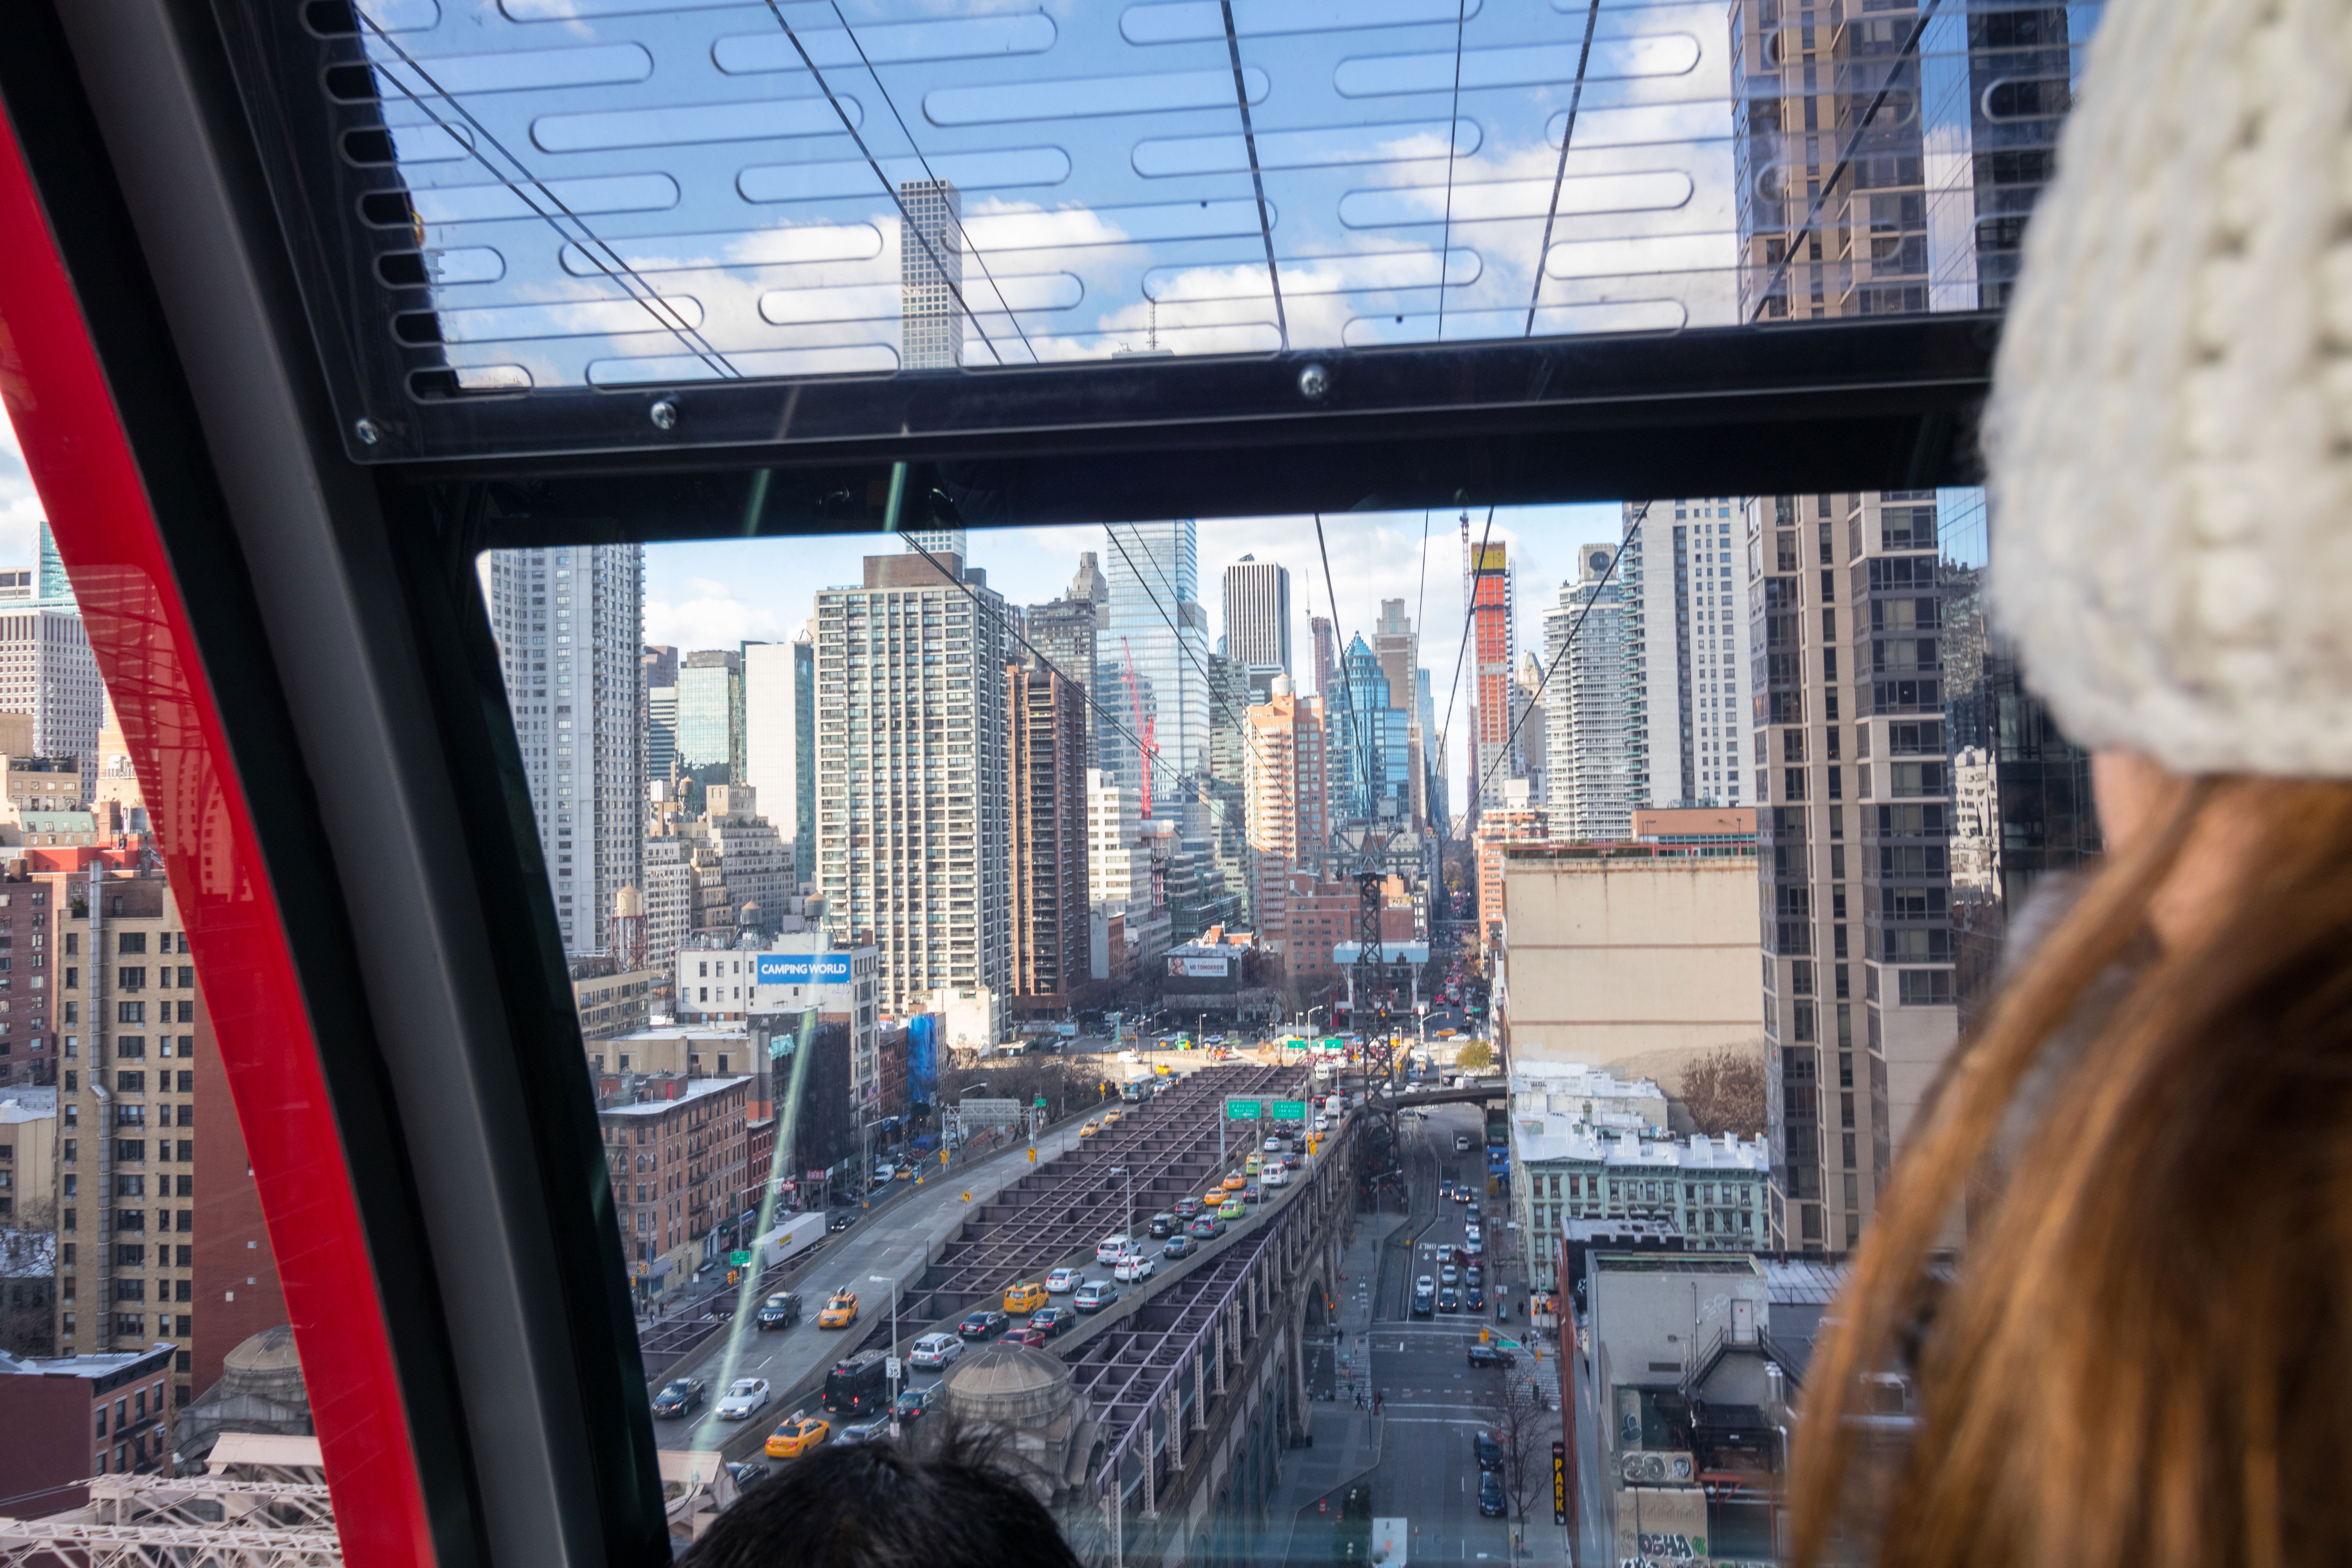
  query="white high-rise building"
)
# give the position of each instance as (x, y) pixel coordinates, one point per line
(931, 280)
(1587, 782)
(912, 780)
(570, 623)
(780, 740)
(1687, 650)
(669, 900)
(46, 669)
(1119, 868)
(1258, 615)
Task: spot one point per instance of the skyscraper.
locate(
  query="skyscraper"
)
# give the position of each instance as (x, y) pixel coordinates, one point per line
(1397, 645)
(1068, 632)
(1327, 654)
(1258, 615)
(1048, 835)
(912, 772)
(930, 282)
(780, 740)
(1687, 650)
(1530, 725)
(1586, 783)
(1284, 782)
(569, 625)
(711, 716)
(1369, 777)
(1855, 769)
(1152, 656)
(1489, 583)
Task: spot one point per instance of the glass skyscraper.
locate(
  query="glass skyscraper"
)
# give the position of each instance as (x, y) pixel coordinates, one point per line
(1370, 766)
(1152, 655)
(711, 716)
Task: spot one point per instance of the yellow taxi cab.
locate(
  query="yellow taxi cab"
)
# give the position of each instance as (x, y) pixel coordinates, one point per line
(1111, 1116)
(1026, 1297)
(798, 1436)
(840, 1312)
(1233, 1207)
(1237, 1182)
(1090, 1129)
(1254, 1165)
(1162, 1068)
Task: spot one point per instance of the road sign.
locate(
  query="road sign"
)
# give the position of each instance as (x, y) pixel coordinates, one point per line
(1560, 1483)
(738, 1258)
(1244, 1109)
(890, 1368)
(1290, 1110)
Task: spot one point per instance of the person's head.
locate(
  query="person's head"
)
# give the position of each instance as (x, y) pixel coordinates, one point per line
(2144, 1352)
(941, 1503)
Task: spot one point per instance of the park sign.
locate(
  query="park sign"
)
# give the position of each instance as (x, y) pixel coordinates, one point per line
(1244, 1109)
(1290, 1110)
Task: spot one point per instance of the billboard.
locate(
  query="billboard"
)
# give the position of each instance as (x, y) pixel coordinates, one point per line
(802, 969)
(923, 1058)
(1198, 968)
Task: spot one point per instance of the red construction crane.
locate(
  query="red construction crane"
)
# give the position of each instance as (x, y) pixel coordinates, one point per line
(1143, 726)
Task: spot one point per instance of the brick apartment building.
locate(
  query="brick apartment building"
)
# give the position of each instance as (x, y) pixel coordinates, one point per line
(679, 1156)
(63, 1418)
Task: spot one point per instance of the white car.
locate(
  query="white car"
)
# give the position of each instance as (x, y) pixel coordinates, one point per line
(1128, 1057)
(1110, 1248)
(1062, 1282)
(1134, 1266)
(1322, 1123)
(746, 1398)
(935, 1350)
(1273, 1145)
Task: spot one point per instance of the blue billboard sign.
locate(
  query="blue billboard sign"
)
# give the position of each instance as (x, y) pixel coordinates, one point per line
(802, 969)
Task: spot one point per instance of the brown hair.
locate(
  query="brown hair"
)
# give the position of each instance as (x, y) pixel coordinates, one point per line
(2144, 1356)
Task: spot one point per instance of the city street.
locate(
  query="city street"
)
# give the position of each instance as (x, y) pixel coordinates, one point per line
(1431, 1402)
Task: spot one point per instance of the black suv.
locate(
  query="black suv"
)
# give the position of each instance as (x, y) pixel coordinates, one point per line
(780, 1310)
(1489, 1452)
(1488, 1356)
(981, 1323)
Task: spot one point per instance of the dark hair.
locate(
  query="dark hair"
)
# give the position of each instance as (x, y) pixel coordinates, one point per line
(945, 1503)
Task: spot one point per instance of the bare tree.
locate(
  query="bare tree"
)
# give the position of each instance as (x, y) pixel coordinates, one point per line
(1522, 1424)
(1724, 1090)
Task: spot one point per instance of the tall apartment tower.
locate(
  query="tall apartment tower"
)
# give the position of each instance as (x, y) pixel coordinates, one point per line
(780, 740)
(931, 284)
(1874, 685)
(1687, 650)
(1493, 651)
(1586, 779)
(1258, 615)
(1046, 790)
(912, 763)
(128, 1032)
(1153, 627)
(1285, 799)
(569, 625)
(1068, 632)
(1327, 653)
(1397, 645)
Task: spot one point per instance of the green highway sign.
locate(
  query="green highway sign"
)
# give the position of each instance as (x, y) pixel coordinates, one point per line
(738, 1259)
(1290, 1110)
(1508, 1344)
(1244, 1109)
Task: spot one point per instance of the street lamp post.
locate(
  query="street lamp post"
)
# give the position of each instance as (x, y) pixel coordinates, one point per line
(893, 1283)
(1127, 1224)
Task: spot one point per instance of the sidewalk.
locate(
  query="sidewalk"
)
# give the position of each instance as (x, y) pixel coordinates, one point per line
(1347, 1440)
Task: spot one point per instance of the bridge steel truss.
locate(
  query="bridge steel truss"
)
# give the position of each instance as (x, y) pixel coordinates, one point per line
(1071, 1202)
(1163, 1382)
(150, 1521)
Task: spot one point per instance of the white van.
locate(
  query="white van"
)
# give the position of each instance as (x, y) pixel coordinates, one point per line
(1110, 1248)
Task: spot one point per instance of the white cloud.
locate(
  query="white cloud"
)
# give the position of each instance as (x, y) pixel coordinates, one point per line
(21, 511)
(716, 617)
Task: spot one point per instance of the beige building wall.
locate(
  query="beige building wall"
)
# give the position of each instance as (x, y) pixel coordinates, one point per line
(1634, 963)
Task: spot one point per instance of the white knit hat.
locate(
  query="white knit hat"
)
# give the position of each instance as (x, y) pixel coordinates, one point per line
(2170, 430)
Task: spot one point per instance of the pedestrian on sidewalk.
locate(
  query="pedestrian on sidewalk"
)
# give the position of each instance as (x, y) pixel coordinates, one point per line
(1376, 1404)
